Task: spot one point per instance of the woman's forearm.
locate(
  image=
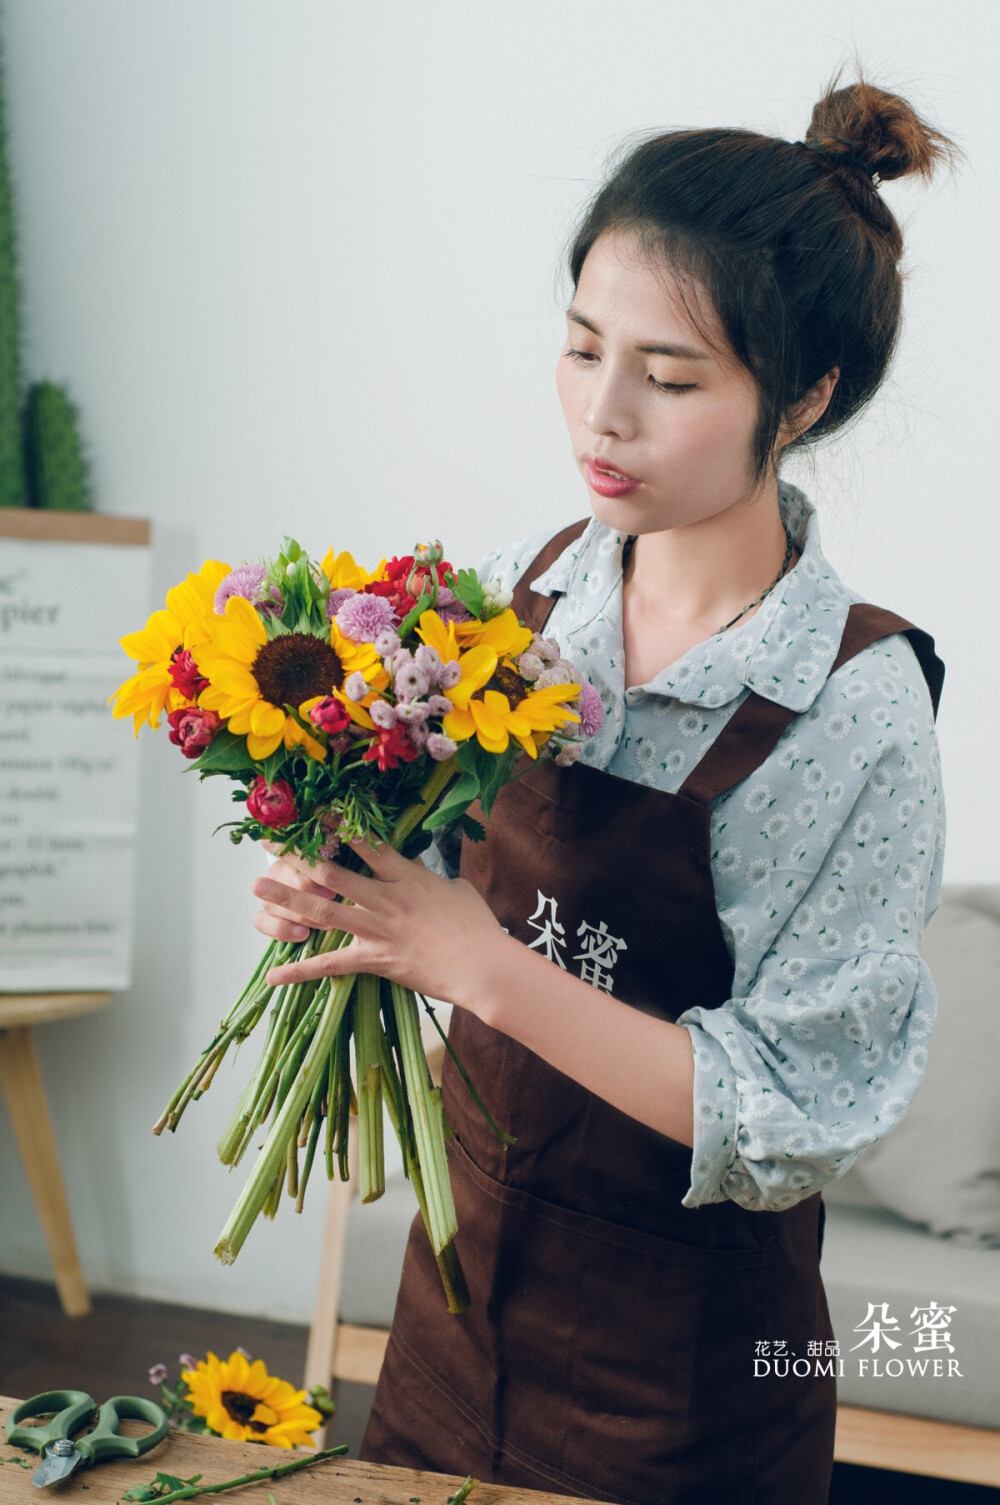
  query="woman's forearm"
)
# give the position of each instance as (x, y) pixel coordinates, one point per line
(641, 1065)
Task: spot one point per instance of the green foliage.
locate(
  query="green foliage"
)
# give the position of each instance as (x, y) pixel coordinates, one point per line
(56, 471)
(12, 489)
(468, 589)
(226, 753)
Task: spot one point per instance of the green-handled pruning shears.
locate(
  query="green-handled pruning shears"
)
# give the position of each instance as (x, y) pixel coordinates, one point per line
(61, 1454)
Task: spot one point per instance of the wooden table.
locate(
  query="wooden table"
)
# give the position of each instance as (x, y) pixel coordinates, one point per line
(338, 1481)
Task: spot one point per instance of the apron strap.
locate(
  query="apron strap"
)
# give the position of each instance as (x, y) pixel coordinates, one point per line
(532, 608)
(751, 733)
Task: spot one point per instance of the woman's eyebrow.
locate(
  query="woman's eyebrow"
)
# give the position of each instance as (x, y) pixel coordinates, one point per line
(682, 352)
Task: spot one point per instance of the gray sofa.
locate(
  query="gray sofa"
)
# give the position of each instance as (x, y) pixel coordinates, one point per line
(915, 1221)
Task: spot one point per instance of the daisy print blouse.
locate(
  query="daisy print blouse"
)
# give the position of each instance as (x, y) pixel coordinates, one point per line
(826, 861)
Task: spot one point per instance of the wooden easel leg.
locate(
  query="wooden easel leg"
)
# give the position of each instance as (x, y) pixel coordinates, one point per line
(24, 1091)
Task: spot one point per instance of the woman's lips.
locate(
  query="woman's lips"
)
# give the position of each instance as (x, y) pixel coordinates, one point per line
(606, 480)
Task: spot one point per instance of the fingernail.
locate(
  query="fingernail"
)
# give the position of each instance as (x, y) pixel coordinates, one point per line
(300, 932)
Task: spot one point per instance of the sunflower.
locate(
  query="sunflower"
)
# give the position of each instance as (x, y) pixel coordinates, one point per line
(506, 708)
(254, 678)
(181, 626)
(503, 633)
(344, 574)
(491, 700)
(243, 1403)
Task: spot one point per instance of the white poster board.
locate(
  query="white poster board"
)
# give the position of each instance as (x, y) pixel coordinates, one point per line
(71, 584)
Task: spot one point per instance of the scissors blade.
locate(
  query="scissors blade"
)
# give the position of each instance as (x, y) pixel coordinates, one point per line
(55, 1466)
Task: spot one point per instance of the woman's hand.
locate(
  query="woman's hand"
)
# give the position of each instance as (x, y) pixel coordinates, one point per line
(434, 935)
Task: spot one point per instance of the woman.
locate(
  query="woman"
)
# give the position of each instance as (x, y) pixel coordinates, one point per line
(687, 969)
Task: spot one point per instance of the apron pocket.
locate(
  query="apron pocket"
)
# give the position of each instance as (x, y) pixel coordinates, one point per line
(623, 1360)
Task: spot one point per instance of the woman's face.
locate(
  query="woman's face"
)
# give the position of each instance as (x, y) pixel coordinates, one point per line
(660, 421)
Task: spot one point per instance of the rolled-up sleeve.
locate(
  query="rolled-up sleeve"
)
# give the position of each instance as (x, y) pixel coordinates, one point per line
(825, 1050)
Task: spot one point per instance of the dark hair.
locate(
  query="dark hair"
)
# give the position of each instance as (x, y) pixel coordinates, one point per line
(795, 248)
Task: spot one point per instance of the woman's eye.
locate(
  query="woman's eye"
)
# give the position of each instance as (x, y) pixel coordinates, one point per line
(587, 356)
(672, 386)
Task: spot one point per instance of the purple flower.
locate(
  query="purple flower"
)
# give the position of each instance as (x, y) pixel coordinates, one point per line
(383, 714)
(157, 1374)
(449, 608)
(568, 754)
(387, 644)
(440, 747)
(412, 712)
(428, 658)
(450, 674)
(250, 582)
(188, 1361)
(410, 680)
(364, 617)
(590, 709)
(529, 665)
(356, 686)
(247, 1356)
(439, 705)
(544, 647)
(336, 599)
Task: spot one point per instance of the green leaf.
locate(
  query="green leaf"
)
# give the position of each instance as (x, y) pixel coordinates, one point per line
(273, 765)
(226, 753)
(473, 829)
(495, 771)
(412, 618)
(466, 586)
(458, 798)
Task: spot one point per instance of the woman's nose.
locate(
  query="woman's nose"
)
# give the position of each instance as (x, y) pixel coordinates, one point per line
(608, 410)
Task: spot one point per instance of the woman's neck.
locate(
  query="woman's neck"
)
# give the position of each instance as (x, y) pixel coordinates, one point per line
(682, 585)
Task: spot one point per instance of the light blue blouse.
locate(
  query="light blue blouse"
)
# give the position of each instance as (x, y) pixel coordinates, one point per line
(826, 861)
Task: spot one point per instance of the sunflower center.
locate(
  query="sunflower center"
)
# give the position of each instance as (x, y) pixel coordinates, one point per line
(241, 1408)
(508, 682)
(296, 667)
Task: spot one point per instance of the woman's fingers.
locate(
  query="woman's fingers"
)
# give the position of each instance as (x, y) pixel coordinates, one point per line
(279, 929)
(350, 958)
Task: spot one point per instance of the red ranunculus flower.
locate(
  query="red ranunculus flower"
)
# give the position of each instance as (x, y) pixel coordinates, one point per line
(272, 804)
(402, 574)
(330, 716)
(185, 675)
(392, 747)
(192, 729)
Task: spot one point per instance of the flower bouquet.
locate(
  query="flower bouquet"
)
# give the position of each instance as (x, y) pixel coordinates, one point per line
(346, 704)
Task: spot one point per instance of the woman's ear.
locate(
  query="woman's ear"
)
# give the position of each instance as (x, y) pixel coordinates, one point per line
(809, 407)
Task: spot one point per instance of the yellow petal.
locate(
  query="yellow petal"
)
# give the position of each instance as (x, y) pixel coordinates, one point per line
(266, 719)
(438, 634)
(260, 748)
(459, 726)
(490, 729)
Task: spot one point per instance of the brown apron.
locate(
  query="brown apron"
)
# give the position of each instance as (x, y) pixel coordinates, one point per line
(608, 1351)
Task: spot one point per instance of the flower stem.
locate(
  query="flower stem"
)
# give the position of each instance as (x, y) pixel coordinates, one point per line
(428, 1121)
(371, 1144)
(252, 1478)
(285, 1126)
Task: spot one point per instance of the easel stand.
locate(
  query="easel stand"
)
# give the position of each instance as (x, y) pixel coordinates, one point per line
(24, 1092)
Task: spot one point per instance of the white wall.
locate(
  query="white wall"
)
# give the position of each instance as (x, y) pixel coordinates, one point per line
(298, 261)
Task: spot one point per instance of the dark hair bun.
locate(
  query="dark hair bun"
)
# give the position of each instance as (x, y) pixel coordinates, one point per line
(878, 131)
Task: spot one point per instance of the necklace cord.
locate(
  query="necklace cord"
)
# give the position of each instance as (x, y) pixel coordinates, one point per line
(789, 547)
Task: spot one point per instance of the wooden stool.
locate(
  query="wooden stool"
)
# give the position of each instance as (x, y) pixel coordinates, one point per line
(24, 1092)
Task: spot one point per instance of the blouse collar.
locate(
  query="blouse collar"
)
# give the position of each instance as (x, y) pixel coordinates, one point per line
(784, 652)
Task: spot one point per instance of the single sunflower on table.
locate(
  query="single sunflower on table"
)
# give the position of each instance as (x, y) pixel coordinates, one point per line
(243, 1403)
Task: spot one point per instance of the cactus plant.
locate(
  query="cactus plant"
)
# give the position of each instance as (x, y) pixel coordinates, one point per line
(54, 461)
(11, 459)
